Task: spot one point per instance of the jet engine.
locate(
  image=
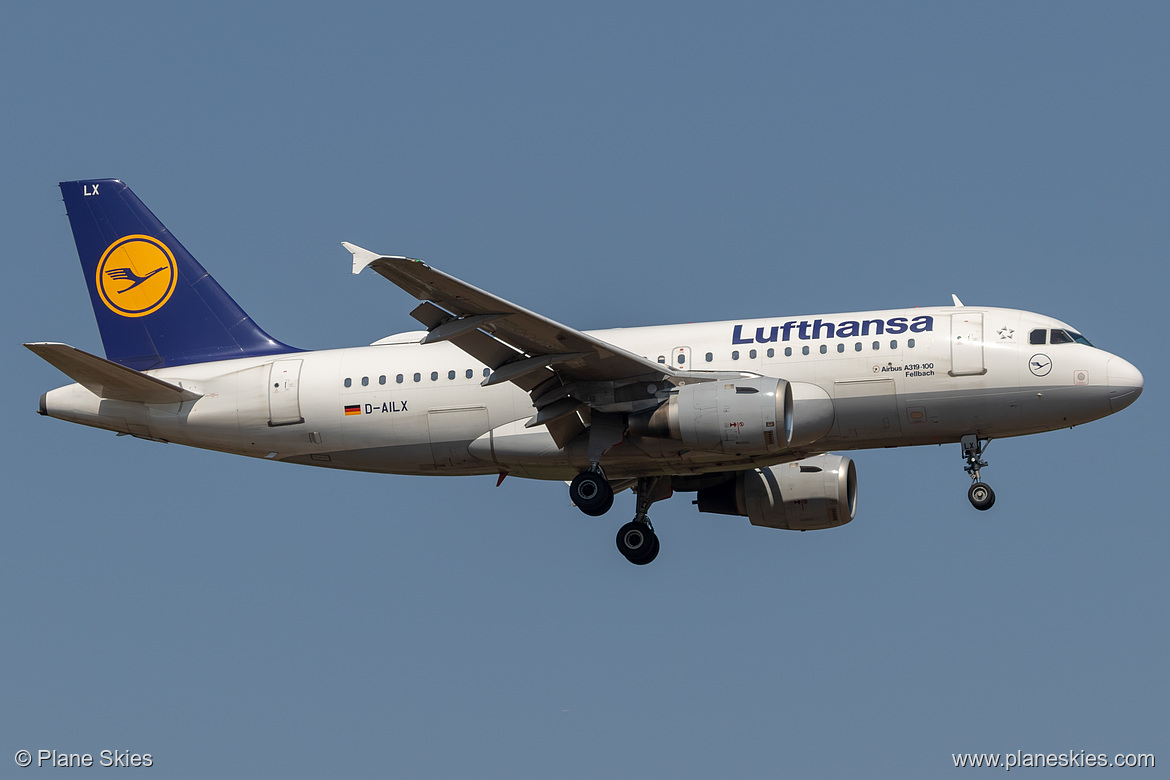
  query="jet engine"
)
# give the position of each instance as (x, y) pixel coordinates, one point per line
(741, 416)
(809, 494)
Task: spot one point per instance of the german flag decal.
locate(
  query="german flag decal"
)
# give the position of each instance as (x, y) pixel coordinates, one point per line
(355, 409)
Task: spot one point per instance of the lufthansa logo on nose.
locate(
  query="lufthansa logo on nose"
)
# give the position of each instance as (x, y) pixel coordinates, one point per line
(136, 276)
(1040, 364)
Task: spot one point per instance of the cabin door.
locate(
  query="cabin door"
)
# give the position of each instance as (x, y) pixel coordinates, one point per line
(284, 398)
(967, 344)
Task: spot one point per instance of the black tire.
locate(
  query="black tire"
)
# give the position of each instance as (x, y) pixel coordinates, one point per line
(591, 493)
(638, 543)
(981, 496)
(650, 556)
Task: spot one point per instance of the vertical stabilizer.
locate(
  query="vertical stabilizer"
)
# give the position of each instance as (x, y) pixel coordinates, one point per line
(155, 304)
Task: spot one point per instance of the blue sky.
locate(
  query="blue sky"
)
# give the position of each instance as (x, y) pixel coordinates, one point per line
(612, 165)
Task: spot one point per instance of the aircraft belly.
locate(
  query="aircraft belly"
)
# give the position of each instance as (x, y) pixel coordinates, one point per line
(866, 409)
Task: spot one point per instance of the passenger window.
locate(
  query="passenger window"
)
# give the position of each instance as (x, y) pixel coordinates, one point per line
(682, 358)
(418, 377)
(840, 347)
(824, 349)
(1038, 336)
(771, 352)
(910, 343)
(348, 382)
(434, 376)
(365, 381)
(804, 350)
(470, 373)
(399, 378)
(710, 357)
(893, 343)
(382, 379)
(735, 355)
(450, 374)
(857, 347)
(487, 372)
(877, 345)
(662, 359)
(1060, 337)
(788, 352)
(753, 354)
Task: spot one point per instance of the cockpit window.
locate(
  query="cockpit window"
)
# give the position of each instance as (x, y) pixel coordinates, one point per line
(1060, 336)
(1038, 336)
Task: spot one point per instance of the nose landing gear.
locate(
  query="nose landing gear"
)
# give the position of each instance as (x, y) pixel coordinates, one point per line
(981, 496)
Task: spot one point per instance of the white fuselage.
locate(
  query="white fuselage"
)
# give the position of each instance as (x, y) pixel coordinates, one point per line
(896, 378)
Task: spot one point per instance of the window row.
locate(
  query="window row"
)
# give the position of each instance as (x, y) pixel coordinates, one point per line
(710, 358)
(401, 378)
(771, 352)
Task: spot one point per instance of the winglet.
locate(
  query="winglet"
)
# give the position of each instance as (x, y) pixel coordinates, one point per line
(361, 257)
(954, 298)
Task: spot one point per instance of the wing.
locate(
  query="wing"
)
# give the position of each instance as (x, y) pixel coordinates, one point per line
(566, 371)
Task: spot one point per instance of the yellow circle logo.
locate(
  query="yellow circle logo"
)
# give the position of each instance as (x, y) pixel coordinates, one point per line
(136, 276)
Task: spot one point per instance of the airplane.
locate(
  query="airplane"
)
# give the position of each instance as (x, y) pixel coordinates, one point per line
(746, 414)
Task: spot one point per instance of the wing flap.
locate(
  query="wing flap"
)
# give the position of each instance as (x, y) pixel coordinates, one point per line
(107, 379)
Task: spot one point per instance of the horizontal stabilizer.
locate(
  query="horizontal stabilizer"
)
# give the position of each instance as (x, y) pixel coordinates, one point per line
(107, 379)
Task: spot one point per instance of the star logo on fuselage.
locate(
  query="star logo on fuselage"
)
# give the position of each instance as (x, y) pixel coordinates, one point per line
(1006, 333)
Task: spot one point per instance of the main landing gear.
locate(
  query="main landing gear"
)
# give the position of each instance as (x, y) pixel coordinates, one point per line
(981, 496)
(636, 540)
(591, 492)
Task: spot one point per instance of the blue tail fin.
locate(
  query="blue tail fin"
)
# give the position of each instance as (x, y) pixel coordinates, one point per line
(155, 305)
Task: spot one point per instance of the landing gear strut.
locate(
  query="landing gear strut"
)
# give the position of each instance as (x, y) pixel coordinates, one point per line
(981, 496)
(636, 539)
(590, 490)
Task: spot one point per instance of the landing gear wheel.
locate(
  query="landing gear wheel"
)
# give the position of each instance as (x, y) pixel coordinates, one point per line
(591, 492)
(638, 542)
(981, 496)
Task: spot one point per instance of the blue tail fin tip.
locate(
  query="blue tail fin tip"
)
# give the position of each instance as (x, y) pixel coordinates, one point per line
(155, 304)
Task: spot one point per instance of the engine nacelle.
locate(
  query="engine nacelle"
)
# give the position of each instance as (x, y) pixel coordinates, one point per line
(818, 492)
(812, 413)
(740, 416)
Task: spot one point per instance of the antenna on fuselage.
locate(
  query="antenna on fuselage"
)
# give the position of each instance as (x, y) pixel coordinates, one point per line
(955, 298)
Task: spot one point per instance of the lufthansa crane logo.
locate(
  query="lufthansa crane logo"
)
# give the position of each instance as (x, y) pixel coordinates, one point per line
(1040, 364)
(136, 276)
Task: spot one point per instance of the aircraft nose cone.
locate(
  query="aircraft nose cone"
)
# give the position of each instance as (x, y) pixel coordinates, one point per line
(1125, 383)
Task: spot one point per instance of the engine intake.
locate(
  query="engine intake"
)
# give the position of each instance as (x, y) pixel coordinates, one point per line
(809, 494)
